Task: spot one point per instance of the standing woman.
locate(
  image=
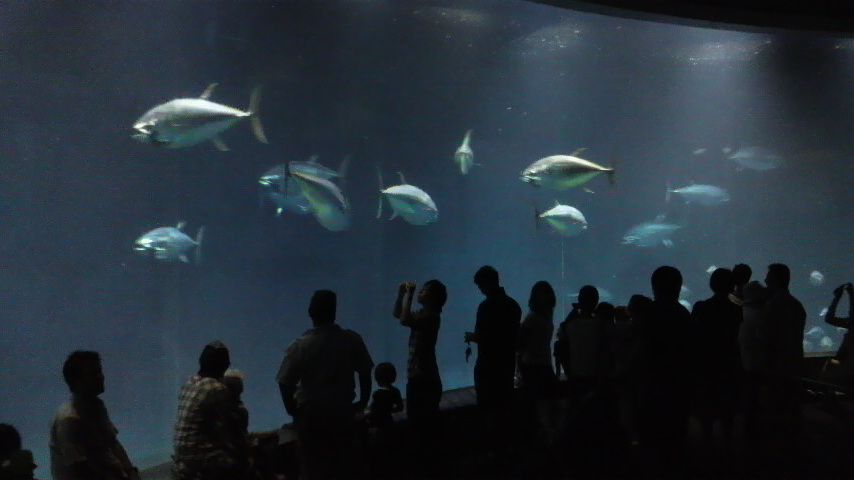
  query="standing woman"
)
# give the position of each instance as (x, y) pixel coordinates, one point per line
(424, 386)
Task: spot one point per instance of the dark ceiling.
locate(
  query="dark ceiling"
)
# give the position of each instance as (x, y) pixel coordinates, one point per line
(834, 17)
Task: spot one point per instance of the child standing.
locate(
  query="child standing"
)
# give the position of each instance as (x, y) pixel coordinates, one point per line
(385, 402)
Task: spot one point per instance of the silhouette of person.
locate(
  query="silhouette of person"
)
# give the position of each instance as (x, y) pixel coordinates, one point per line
(579, 342)
(754, 356)
(840, 369)
(424, 385)
(83, 441)
(15, 462)
(741, 274)
(495, 332)
(385, 402)
(717, 357)
(237, 426)
(664, 376)
(316, 380)
(201, 437)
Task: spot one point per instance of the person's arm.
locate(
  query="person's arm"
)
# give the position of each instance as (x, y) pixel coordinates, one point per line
(477, 335)
(288, 378)
(364, 366)
(831, 317)
(121, 454)
(398, 402)
(71, 441)
(403, 304)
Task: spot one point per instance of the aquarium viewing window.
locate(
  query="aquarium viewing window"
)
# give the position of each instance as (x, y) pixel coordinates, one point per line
(710, 147)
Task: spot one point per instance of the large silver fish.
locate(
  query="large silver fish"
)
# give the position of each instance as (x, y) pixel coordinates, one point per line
(650, 234)
(184, 122)
(564, 219)
(706, 195)
(282, 191)
(464, 155)
(171, 244)
(328, 203)
(756, 158)
(560, 172)
(409, 202)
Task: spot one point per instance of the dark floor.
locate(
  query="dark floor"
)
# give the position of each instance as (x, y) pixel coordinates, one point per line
(824, 452)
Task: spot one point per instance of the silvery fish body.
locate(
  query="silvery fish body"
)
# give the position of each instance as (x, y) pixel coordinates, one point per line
(170, 244)
(284, 193)
(706, 195)
(565, 220)
(184, 122)
(328, 203)
(411, 203)
(816, 278)
(560, 172)
(756, 158)
(651, 234)
(464, 155)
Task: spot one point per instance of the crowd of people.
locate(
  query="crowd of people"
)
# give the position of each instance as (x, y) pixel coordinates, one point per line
(601, 383)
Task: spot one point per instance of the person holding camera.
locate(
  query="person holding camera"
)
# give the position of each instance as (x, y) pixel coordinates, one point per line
(840, 368)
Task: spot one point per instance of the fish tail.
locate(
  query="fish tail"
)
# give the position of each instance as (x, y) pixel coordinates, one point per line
(536, 217)
(667, 194)
(199, 236)
(380, 179)
(254, 118)
(614, 164)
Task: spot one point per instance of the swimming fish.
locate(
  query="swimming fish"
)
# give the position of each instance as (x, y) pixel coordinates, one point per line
(409, 202)
(815, 332)
(560, 172)
(171, 244)
(816, 278)
(282, 191)
(328, 203)
(650, 234)
(706, 195)
(756, 158)
(699, 151)
(826, 343)
(711, 269)
(565, 220)
(823, 312)
(184, 122)
(685, 303)
(464, 155)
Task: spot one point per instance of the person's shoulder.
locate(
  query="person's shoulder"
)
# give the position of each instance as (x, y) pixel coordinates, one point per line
(67, 411)
(351, 335)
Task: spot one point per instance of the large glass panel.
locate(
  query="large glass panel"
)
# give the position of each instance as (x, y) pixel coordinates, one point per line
(394, 86)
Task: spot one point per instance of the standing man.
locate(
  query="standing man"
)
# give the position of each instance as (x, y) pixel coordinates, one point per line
(317, 386)
(202, 451)
(495, 332)
(83, 441)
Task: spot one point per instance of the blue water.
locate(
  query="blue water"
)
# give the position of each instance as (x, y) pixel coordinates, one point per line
(395, 84)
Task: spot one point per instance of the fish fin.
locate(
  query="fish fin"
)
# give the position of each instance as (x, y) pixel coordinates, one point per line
(219, 144)
(614, 162)
(587, 190)
(208, 91)
(380, 180)
(402, 180)
(199, 237)
(393, 215)
(667, 243)
(578, 151)
(181, 225)
(536, 217)
(254, 104)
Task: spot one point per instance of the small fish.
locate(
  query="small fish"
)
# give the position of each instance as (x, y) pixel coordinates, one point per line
(706, 195)
(685, 303)
(684, 291)
(565, 220)
(841, 330)
(560, 172)
(815, 332)
(700, 151)
(464, 155)
(409, 202)
(726, 150)
(711, 269)
(171, 244)
(328, 203)
(651, 234)
(826, 343)
(756, 158)
(184, 122)
(823, 312)
(816, 278)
